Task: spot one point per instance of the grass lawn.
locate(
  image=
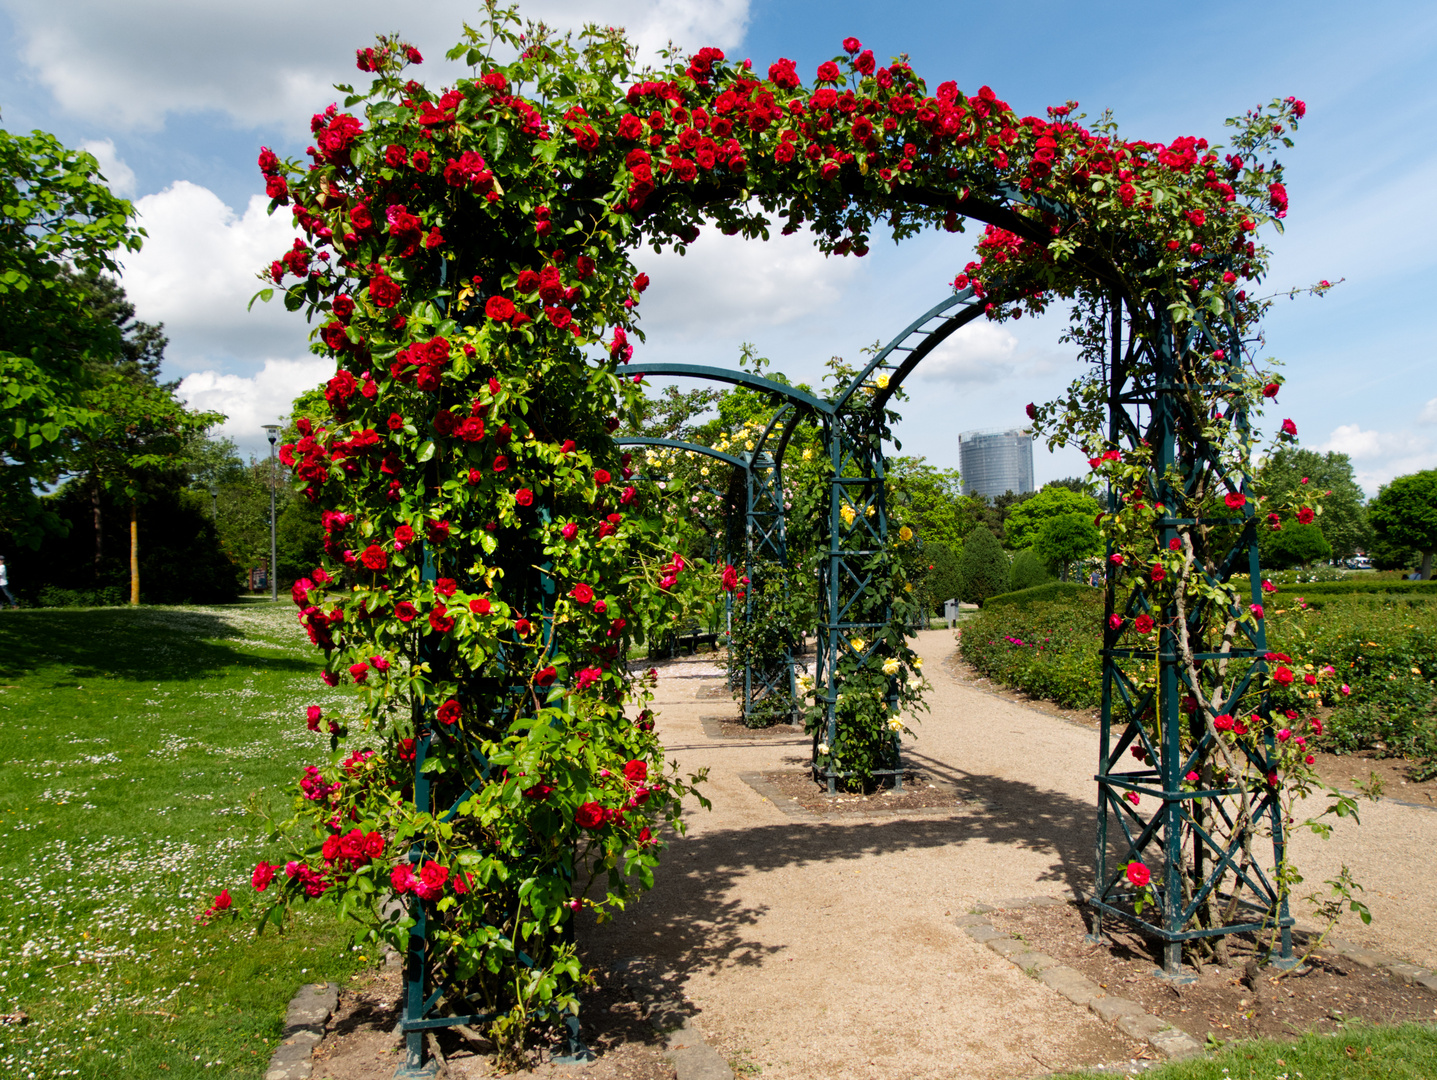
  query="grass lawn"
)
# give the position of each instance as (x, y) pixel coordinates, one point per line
(1358, 1052)
(132, 741)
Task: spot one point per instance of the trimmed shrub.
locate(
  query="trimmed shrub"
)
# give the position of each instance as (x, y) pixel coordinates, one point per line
(1053, 590)
(1045, 647)
(982, 568)
(1027, 571)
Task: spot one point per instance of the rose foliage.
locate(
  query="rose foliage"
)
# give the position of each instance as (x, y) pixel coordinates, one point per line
(464, 252)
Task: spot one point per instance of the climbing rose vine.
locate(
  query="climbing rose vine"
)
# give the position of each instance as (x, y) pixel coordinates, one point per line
(464, 253)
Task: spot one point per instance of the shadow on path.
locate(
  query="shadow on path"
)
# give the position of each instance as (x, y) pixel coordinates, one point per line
(694, 922)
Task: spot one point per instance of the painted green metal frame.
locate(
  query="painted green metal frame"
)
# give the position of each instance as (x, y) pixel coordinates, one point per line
(1184, 820)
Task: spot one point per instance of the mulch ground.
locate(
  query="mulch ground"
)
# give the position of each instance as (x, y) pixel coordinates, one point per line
(1240, 1001)
(919, 792)
(360, 1042)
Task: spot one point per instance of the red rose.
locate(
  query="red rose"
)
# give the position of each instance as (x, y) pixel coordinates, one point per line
(582, 593)
(1235, 500)
(601, 476)
(865, 62)
(589, 816)
(1271, 389)
(359, 671)
(445, 587)
(1158, 573)
(1143, 624)
(312, 716)
(1283, 676)
(499, 308)
(404, 611)
(636, 772)
(384, 290)
(828, 72)
(500, 463)
(404, 535)
(374, 557)
(441, 620)
(522, 627)
(481, 606)
(1306, 515)
(851, 45)
(449, 712)
(524, 497)
(1289, 428)
(262, 876)
(1138, 874)
(546, 677)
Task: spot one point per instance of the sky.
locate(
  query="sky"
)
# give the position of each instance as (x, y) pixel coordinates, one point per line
(175, 98)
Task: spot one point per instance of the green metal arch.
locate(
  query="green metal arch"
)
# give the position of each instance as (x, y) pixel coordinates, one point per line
(729, 375)
(679, 444)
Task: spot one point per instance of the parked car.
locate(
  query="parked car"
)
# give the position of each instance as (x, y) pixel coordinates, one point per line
(1359, 562)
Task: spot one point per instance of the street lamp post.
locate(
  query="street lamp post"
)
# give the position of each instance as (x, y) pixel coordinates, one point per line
(272, 430)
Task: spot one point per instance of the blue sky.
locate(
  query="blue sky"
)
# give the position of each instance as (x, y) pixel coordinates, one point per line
(177, 96)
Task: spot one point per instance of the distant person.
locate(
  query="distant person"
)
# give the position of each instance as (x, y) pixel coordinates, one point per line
(1094, 580)
(5, 584)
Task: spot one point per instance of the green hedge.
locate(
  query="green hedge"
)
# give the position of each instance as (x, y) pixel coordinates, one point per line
(1038, 594)
(1423, 590)
(1045, 642)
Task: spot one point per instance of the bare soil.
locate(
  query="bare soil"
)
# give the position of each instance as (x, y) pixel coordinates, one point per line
(732, 728)
(1239, 1001)
(361, 1043)
(919, 792)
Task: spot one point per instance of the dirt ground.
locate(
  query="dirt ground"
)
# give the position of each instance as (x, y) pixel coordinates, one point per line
(1225, 1002)
(817, 945)
(361, 1042)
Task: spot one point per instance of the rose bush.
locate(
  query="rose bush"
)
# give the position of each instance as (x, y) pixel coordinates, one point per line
(465, 254)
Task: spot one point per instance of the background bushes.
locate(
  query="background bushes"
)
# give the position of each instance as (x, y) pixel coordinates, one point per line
(1046, 641)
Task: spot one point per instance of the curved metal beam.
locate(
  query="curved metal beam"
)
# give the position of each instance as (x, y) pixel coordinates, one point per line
(678, 444)
(743, 378)
(917, 352)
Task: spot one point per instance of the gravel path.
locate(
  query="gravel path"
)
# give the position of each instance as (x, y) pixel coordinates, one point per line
(825, 948)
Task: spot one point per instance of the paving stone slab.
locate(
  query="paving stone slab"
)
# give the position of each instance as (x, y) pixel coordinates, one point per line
(1111, 1008)
(983, 933)
(1405, 973)
(1072, 984)
(970, 920)
(1143, 1026)
(1034, 961)
(1175, 1043)
(1008, 947)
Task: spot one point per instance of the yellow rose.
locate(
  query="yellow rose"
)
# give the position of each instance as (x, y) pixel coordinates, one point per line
(905, 534)
(848, 514)
(891, 666)
(857, 644)
(882, 381)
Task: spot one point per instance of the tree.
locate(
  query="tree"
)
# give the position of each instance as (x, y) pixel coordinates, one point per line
(1292, 545)
(1065, 540)
(982, 568)
(1344, 518)
(59, 223)
(1027, 518)
(1405, 514)
(941, 580)
(930, 502)
(1027, 571)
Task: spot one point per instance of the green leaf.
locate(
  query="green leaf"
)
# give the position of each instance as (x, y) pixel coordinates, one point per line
(498, 142)
(426, 451)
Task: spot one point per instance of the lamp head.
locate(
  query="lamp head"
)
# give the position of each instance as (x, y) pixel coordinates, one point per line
(272, 431)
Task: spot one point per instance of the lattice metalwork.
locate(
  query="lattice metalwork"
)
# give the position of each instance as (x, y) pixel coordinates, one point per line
(1150, 403)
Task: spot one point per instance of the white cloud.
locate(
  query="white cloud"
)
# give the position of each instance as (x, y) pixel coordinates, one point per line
(250, 403)
(197, 272)
(1378, 456)
(120, 176)
(135, 63)
(728, 285)
(981, 352)
(1429, 413)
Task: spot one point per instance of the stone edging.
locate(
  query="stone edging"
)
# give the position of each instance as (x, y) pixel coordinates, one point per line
(714, 731)
(309, 1011)
(668, 1014)
(771, 794)
(1130, 1017)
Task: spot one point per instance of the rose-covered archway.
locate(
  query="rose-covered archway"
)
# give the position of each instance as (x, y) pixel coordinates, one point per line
(489, 563)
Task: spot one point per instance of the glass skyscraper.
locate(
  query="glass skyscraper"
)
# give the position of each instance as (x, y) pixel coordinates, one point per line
(994, 462)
